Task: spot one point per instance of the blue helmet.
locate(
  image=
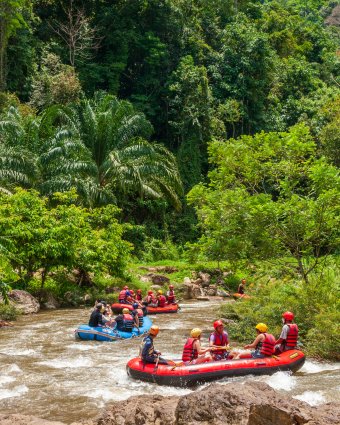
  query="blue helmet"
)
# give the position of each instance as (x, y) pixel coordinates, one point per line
(127, 293)
(135, 305)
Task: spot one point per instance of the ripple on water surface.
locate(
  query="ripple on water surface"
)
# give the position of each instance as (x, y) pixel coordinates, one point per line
(67, 380)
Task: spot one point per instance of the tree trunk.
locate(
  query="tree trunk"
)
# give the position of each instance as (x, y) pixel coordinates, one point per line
(2, 56)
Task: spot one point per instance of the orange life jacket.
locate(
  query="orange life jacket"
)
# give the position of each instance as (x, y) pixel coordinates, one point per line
(127, 322)
(189, 352)
(140, 316)
(121, 295)
(161, 301)
(220, 340)
(171, 296)
(266, 347)
(292, 336)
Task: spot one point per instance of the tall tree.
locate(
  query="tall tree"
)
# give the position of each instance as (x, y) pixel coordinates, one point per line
(11, 18)
(101, 148)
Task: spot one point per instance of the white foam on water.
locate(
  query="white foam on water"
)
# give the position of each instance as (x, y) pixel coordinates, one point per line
(314, 398)
(14, 368)
(104, 394)
(6, 379)
(311, 366)
(15, 392)
(281, 381)
(82, 347)
(74, 363)
(24, 352)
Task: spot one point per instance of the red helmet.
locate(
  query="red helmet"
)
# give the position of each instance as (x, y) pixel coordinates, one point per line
(288, 315)
(126, 287)
(171, 286)
(218, 323)
(139, 291)
(132, 291)
(150, 292)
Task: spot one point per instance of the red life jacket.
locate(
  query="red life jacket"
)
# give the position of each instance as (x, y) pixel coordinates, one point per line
(127, 321)
(292, 336)
(267, 345)
(121, 296)
(171, 297)
(220, 340)
(161, 301)
(139, 297)
(140, 316)
(189, 352)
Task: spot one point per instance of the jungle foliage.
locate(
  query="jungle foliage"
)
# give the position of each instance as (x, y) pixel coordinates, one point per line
(197, 129)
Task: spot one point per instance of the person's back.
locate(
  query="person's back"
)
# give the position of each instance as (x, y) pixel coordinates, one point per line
(125, 321)
(161, 300)
(189, 351)
(96, 318)
(266, 347)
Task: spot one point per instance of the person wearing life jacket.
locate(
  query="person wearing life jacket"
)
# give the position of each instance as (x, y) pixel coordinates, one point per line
(138, 315)
(193, 353)
(170, 295)
(240, 289)
(125, 321)
(289, 334)
(139, 296)
(122, 295)
(161, 299)
(264, 344)
(151, 299)
(219, 338)
(148, 354)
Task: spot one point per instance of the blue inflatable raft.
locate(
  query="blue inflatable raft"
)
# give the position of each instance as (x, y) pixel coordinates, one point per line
(99, 333)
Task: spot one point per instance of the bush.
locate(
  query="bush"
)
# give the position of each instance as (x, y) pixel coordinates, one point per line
(8, 312)
(315, 306)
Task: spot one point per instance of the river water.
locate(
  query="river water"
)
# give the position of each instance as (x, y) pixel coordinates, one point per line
(45, 372)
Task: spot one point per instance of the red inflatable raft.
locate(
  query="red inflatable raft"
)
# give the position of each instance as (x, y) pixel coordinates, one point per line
(238, 296)
(169, 308)
(185, 376)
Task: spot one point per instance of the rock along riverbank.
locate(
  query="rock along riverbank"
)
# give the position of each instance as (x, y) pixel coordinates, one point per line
(253, 403)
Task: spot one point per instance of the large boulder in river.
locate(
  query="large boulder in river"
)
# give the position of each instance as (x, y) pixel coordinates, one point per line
(253, 403)
(24, 301)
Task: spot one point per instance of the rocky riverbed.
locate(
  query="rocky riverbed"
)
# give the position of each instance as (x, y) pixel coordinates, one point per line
(252, 403)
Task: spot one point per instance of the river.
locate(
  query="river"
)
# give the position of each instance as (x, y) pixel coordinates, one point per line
(45, 372)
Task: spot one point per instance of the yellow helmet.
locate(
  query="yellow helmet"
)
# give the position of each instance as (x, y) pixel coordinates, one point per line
(126, 310)
(160, 292)
(154, 330)
(261, 327)
(196, 332)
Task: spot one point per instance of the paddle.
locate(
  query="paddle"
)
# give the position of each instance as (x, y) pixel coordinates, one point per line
(156, 365)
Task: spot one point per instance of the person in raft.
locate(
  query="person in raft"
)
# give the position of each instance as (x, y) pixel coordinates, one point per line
(161, 299)
(241, 287)
(193, 353)
(151, 299)
(289, 334)
(264, 344)
(125, 321)
(137, 314)
(122, 295)
(147, 350)
(96, 318)
(170, 295)
(219, 340)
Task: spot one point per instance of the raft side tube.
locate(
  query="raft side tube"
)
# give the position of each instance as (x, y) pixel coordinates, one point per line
(186, 376)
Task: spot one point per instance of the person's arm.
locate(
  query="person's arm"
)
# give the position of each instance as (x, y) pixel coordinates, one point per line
(258, 339)
(212, 340)
(200, 350)
(284, 334)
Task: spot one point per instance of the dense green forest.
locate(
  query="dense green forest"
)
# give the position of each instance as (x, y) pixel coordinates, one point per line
(150, 130)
